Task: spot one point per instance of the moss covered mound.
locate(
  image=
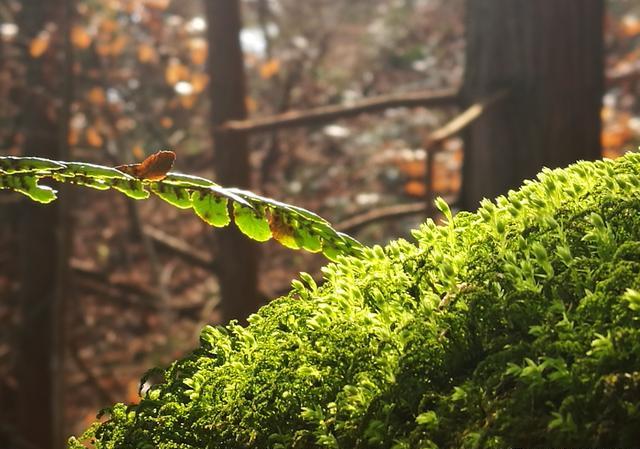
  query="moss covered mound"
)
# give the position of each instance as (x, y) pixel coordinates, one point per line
(517, 326)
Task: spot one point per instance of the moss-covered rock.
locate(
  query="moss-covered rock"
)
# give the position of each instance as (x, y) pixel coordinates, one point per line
(517, 326)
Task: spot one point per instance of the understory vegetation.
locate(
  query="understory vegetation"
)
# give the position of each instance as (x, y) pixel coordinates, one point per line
(516, 326)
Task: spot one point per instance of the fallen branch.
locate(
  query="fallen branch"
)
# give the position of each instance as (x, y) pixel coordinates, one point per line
(326, 114)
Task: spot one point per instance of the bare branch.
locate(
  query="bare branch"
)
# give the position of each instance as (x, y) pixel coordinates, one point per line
(618, 76)
(325, 114)
(359, 221)
(450, 129)
(466, 118)
(177, 246)
(104, 393)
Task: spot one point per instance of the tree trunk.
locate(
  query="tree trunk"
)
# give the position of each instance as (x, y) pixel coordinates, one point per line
(43, 242)
(549, 53)
(236, 254)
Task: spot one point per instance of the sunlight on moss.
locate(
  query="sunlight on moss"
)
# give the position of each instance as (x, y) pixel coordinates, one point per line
(516, 326)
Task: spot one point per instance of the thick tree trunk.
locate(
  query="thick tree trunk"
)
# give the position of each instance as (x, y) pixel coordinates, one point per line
(549, 53)
(237, 255)
(43, 243)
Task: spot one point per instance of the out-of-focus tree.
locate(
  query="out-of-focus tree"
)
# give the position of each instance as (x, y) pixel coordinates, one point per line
(549, 55)
(238, 272)
(43, 245)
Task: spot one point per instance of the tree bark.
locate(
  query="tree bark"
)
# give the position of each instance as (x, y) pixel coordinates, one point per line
(549, 54)
(43, 243)
(238, 256)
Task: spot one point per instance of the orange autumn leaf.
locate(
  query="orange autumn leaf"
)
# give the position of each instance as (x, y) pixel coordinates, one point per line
(166, 122)
(93, 137)
(73, 137)
(458, 156)
(415, 188)
(103, 49)
(39, 44)
(96, 96)
(199, 81)
(80, 38)
(132, 392)
(175, 72)
(630, 25)
(146, 53)
(269, 68)
(118, 44)
(250, 104)
(158, 4)
(138, 151)
(187, 101)
(607, 113)
(445, 182)
(612, 153)
(198, 50)
(615, 136)
(412, 169)
(128, 6)
(108, 26)
(153, 168)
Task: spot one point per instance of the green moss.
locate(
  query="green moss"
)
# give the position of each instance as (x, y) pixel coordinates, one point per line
(517, 326)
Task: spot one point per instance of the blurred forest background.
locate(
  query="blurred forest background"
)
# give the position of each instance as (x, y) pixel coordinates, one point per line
(111, 81)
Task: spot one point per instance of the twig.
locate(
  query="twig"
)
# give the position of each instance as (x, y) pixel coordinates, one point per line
(450, 129)
(325, 114)
(90, 273)
(359, 221)
(177, 246)
(105, 395)
(15, 439)
(615, 77)
(465, 118)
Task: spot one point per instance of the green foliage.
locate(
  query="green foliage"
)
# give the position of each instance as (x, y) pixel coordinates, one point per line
(257, 217)
(516, 326)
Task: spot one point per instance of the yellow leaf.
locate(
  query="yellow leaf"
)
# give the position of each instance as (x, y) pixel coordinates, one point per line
(39, 44)
(269, 69)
